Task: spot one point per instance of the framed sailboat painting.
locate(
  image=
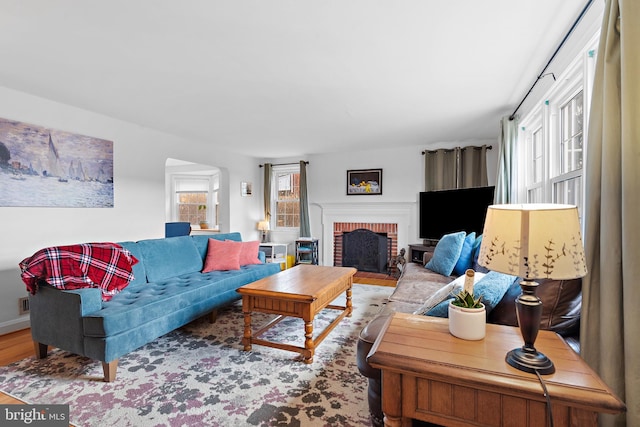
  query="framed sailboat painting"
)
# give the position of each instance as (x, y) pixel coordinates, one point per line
(48, 167)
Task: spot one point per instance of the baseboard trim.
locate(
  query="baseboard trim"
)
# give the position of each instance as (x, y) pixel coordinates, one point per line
(14, 325)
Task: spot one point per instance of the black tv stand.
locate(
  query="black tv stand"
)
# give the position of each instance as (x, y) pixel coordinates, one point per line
(417, 251)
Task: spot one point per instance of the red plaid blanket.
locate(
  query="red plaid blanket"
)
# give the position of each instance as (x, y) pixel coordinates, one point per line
(89, 265)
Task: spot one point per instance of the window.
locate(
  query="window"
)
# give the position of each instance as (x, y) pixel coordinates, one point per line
(567, 182)
(196, 199)
(535, 170)
(286, 197)
(551, 164)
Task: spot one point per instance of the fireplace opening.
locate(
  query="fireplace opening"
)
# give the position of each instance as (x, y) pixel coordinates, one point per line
(366, 250)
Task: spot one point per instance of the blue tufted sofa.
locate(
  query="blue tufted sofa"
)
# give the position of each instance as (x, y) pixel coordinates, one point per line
(168, 291)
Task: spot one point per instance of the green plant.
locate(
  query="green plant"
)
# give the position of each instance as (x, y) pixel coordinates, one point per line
(202, 207)
(467, 300)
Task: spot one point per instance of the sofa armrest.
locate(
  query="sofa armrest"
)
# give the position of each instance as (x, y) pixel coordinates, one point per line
(426, 257)
(366, 339)
(56, 316)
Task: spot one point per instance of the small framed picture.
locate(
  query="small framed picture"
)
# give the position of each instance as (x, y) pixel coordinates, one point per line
(246, 189)
(364, 182)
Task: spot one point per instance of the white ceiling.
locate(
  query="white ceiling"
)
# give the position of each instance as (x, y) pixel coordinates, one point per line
(279, 78)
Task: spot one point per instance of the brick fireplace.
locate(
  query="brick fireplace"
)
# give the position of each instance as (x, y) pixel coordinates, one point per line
(388, 230)
(394, 218)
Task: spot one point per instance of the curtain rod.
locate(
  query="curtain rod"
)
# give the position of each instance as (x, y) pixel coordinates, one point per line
(489, 147)
(284, 164)
(542, 73)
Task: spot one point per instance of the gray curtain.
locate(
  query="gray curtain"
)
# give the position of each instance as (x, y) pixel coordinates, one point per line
(611, 290)
(506, 158)
(440, 169)
(305, 227)
(472, 171)
(268, 168)
(445, 169)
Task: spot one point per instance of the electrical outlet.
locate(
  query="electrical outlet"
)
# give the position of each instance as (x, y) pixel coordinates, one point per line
(23, 305)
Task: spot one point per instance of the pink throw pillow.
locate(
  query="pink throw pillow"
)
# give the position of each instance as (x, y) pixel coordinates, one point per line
(249, 253)
(222, 255)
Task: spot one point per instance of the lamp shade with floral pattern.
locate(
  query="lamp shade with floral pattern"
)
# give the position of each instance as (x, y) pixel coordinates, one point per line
(533, 241)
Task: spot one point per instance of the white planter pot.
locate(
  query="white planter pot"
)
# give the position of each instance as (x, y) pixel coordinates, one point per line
(467, 323)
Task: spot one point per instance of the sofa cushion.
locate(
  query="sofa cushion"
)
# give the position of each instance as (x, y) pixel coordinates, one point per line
(222, 255)
(417, 284)
(154, 302)
(492, 288)
(169, 257)
(446, 253)
(466, 255)
(139, 273)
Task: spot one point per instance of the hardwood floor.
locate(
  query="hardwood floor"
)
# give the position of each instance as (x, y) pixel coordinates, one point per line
(13, 347)
(375, 279)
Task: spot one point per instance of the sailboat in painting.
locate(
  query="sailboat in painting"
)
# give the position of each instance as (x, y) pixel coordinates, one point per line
(77, 172)
(81, 175)
(72, 171)
(54, 162)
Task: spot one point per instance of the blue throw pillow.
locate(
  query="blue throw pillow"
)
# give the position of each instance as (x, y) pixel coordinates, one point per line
(440, 310)
(446, 254)
(491, 287)
(466, 255)
(476, 253)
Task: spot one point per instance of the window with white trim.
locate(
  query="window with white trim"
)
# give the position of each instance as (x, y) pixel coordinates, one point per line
(536, 165)
(285, 197)
(195, 199)
(550, 165)
(567, 181)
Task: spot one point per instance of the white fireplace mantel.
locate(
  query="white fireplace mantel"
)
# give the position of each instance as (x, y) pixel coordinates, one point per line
(374, 212)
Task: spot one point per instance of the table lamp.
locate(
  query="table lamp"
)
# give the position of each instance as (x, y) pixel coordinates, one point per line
(264, 227)
(532, 241)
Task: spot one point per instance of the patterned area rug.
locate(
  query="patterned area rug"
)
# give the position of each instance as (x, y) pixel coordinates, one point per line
(199, 375)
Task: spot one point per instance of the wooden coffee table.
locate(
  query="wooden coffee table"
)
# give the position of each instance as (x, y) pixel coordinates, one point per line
(302, 292)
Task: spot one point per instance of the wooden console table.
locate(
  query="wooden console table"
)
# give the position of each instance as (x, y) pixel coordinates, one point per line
(429, 375)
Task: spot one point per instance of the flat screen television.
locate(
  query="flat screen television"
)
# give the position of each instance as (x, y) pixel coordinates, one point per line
(449, 211)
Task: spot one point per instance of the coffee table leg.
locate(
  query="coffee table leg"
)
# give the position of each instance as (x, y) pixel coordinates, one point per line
(349, 306)
(309, 346)
(246, 340)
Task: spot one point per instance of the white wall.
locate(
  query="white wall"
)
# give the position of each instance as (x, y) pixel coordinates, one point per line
(139, 192)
